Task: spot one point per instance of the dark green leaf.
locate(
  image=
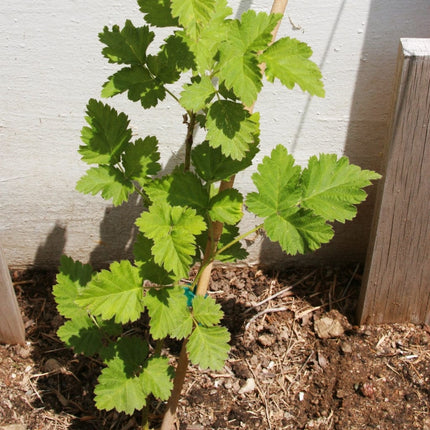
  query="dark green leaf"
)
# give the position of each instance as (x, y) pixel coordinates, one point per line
(158, 13)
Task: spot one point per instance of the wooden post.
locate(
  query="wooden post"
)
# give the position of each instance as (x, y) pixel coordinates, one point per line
(396, 283)
(11, 324)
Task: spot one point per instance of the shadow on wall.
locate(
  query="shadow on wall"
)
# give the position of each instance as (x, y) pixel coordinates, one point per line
(48, 255)
(388, 21)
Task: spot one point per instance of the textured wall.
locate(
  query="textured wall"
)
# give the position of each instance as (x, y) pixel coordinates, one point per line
(51, 65)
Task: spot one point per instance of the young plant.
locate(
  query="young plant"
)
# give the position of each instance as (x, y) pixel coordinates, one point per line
(190, 216)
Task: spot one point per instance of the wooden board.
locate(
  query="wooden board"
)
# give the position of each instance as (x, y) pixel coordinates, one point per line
(396, 284)
(11, 324)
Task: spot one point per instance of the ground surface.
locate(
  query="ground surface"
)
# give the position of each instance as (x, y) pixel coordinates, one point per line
(296, 362)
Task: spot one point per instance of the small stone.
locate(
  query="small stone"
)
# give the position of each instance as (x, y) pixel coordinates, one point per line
(266, 340)
(346, 347)
(52, 365)
(327, 327)
(248, 387)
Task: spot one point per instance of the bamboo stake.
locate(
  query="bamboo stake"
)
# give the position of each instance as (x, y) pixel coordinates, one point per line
(278, 6)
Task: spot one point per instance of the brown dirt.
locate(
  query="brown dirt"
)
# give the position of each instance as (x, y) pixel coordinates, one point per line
(364, 378)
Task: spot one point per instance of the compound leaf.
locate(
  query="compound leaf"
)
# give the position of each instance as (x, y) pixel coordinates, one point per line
(332, 187)
(157, 377)
(226, 207)
(158, 13)
(198, 94)
(73, 276)
(126, 46)
(173, 230)
(231, 128)
(169, 313)
(107, 135)
(208, 347)
(115, 293)
(207, 311)
(288, 60)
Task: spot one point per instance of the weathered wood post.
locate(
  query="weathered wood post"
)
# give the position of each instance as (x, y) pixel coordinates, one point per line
(396, 283)
(11, 324)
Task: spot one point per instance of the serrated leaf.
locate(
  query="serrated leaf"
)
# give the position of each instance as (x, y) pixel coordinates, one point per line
(332, 187)
(278, 199)
(115, 293)
(198, 94)
(120, 384)
(231, 128)
(208, 347)
(193, 15)
(107, 180)
(139, 84)
(169, 313)
(73, 276)
(235, 252)
(173, 230)
(126, 46)
(226, 207)
(157, 377)
(107, 135)
(207, 311)
(84, 336)
(298, 231)
(239, 66)
(141, 159)
(288, 60)
(212, 166)
(158, 13)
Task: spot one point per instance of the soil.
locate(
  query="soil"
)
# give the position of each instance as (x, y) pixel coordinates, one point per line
(297, 362)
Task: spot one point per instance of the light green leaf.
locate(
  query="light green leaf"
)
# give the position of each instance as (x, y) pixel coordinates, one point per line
(157, 377)
(141, 159)
(84, 336)
(169, 313)
(107, 135)
(139, 83)
(73, 276)
(212, 166)
(239, 68)
(332, 187)
(288, 60)
(120, 384)
(198, 94)
(173, 230)
(208, 347)
(193, 15)
(226, 207)
(231, 128)
(108, 180)
(115, 293)
(158, 13)
(207, 311)
(126, 46)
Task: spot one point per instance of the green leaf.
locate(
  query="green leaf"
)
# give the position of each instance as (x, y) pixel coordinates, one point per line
(107, 135)
(193, 15)
(198, 94)
(207, 311)
(179, 189)
(157, 377)
(73, 276)
(173, 230)
(278, 199)
(115, 293)
(235, 252)
(169, 313)
(212, 166)
(226, 207)
(158, 13)
(85, 336)
(231, 128)
(208, 347)
(176, 53)
(141, 159)
(332, 187)
(108, 180)
(120, 385)
(126, 46)
(288, 60)
(139, 83)
(239, 68)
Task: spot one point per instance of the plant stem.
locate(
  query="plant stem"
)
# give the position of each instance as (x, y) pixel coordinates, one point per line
(191, 123)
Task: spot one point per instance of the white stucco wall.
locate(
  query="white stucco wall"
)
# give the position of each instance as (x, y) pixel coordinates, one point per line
(50, 65)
